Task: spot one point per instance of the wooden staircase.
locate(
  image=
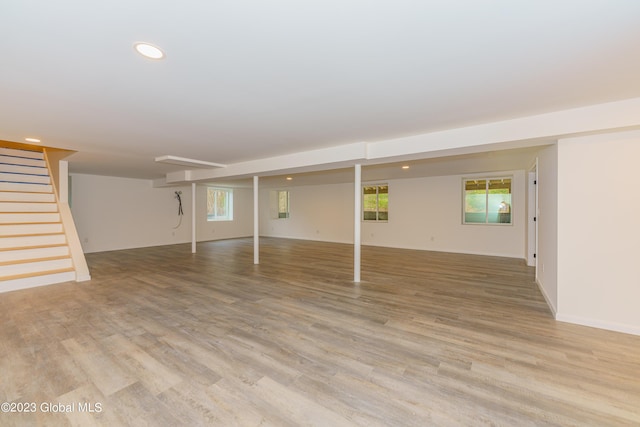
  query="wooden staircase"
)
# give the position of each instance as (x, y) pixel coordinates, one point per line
(33, 245)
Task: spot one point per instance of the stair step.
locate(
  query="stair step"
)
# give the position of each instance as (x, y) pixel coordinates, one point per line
(30, 217)
(37, 279)
(17, 242)
(33, 247)
(31, 261)
(24, 170)
(13, 160)
(14, 196)
(30, 179)
(26, 187)
(33, 253)
(28, 207)
(30, 228)
(27, 154)
(35, 266)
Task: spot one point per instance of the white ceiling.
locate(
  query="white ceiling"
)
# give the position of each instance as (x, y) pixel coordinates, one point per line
(249, 79)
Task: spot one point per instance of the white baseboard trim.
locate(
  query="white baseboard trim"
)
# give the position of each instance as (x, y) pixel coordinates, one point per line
(593, 323)
(600, 324)
(552, 307)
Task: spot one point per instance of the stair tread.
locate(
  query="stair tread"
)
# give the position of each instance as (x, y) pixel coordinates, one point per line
(32, 260)
(37, 273)
(20, 248)
(40, 251)
(44, 233)
(33, 220)
(53, 233)
(2, 224)
(26, 192)
(27, 202)
(29, 169)
(30, 212)
(17, 248)
(19, 187)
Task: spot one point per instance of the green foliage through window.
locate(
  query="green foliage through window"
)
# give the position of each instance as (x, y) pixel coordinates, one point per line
(283, 204)
(375, 202)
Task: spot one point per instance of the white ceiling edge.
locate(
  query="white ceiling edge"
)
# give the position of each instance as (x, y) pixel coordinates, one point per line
(321, 159)
(594, 118)
(480, 163)
(183, 161)
(508, 134)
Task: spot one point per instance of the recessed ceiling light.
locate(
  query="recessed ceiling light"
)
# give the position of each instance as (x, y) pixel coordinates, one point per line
(289, 178)
(149, 50)
(32, 139)
(405, 167)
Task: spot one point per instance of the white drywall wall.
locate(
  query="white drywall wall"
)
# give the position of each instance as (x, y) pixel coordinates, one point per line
(318, 212)
(599, 231)
(424, 213)
(547, 254)
(120, 213)
(242, 224)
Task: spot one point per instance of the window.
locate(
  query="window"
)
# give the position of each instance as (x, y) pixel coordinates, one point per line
(219, 204)
(487, 201)
(375, 202)
(283, 204)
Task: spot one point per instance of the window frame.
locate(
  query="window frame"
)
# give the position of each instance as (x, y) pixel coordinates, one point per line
(487, 212)
(228, 201)
(377, 185)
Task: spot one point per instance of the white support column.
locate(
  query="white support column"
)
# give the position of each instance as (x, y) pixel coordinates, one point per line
(256, 222)
(193, 217)
(357, 203)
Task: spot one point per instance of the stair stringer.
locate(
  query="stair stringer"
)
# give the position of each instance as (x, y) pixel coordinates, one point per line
(73, 240)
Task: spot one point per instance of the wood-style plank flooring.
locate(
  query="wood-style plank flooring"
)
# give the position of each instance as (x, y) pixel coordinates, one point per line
(163, 337)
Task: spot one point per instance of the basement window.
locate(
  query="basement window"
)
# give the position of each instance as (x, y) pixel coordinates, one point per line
(487, 201)
(375, 202)
(219, 204)
(283, 204)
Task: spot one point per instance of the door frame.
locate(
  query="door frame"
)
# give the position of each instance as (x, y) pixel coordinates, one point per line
(532, 216)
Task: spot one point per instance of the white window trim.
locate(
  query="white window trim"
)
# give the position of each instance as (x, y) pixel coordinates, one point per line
(373, 184)
(486, 178)
(229, 216)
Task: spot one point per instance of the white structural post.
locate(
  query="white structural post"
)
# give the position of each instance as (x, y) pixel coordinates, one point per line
(256, 221)
(193, 217)
(357, 201)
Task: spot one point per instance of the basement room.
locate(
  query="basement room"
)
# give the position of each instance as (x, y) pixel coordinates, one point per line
(335, 214)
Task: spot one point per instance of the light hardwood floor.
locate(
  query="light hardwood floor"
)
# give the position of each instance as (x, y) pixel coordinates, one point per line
(163, 337)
